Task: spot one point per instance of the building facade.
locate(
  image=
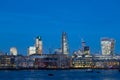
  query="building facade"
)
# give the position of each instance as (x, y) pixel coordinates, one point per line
(65, 48)
(13, 51)
(31, 50)
(86, 50)
(38, 45)
(107, 45)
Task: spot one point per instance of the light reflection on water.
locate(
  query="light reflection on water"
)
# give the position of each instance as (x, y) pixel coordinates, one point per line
(60, 75)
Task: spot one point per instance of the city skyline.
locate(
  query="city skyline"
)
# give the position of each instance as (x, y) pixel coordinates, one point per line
(21, 21)
(36, 48)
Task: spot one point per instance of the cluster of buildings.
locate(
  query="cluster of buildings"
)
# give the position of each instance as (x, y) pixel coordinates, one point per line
(107, 47)
(37, 48)
(60, 58)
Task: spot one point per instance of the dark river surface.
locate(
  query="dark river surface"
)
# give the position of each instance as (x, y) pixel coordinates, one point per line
(60, 75)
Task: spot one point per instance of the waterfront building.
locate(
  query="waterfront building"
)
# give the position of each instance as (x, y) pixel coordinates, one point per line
(24, 62)
(13, 51)
(31, 50)
(7, 61)
(95, 62)
(65, 48)
(51, 60)
(107, 45)
(38, 45)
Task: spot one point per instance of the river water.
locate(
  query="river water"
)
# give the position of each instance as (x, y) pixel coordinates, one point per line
(60, 75)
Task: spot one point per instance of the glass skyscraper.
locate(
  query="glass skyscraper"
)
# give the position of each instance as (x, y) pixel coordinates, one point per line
(107, 45)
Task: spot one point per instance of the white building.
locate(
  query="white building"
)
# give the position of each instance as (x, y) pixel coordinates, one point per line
(38, 45)
(31, 50)
(13, 51)
(107, 46)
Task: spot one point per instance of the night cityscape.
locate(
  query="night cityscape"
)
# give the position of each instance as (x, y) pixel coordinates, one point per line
(59, 39)
(61, 58)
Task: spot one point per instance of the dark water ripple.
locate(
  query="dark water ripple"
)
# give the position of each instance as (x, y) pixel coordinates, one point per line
(60, 75)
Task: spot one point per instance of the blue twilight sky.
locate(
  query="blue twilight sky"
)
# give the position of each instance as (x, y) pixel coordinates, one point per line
(22, 20)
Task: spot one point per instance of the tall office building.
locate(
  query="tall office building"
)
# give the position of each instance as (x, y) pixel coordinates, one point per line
(13, 51)
(31, 50)
(83, 45)
(65, 48)
(38, 45)
(86, 50)
(107, 46)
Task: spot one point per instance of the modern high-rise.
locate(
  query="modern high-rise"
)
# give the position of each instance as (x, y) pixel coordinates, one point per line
(83, 44)
(107, 45)
(86, 50)
(31, 50)
(65, 48)
(13, 51)
(38, 45)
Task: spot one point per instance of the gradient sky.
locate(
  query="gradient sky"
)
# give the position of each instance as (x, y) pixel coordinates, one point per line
(22, 20)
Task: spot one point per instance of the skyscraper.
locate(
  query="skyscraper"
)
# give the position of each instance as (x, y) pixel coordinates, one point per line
(107, 45)
(13, 51)
(83, 45)
(31, 50)
(65, 48)
(38, 45)
(86, 50)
